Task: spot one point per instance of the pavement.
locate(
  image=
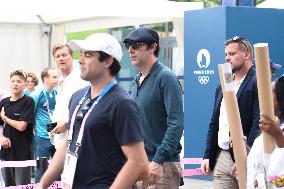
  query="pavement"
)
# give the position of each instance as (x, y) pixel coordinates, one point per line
(196, 184)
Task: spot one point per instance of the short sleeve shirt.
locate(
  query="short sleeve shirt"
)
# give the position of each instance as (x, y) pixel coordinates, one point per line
(21, 141)
(112, 123)
(44, 107)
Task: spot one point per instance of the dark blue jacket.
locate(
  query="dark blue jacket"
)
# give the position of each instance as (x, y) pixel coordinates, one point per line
(247, 97)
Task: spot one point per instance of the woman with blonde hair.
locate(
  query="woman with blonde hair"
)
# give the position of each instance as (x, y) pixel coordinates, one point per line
(31, 83)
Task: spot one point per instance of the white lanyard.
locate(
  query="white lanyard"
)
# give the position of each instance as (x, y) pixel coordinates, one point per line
(79, 139)
(70, 163)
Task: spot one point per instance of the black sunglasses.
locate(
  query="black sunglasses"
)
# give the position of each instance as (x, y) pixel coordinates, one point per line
(237, 39)
(83, 109)
(134, 45)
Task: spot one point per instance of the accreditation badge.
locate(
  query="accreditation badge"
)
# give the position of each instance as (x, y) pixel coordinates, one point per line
(68, 173)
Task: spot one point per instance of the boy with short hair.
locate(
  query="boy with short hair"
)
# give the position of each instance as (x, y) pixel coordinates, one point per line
(17, 116)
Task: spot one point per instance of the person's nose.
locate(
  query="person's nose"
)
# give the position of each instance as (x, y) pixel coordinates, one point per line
(130, 49)
(81, 59)
(227, 58)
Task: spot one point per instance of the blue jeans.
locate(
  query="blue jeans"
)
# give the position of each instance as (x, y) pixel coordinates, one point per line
(42, 148)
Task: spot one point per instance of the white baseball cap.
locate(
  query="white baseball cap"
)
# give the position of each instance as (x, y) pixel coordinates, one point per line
(99, 42)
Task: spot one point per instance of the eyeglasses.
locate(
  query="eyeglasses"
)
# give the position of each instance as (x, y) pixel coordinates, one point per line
(134, 45)
(83, 109)
(237, 39)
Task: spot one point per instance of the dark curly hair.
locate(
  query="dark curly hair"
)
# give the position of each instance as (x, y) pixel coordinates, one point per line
(19, 72)
(115, 66)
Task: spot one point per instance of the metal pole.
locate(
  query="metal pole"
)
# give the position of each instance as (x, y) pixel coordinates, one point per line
(43, 164)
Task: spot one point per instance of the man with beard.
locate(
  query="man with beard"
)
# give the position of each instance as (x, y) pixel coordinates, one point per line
(218, 155)
(158, 95)
(104, 148)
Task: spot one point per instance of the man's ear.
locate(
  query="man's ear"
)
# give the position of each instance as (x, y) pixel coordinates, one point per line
(153, 47)
(247, 55)
(108, 62)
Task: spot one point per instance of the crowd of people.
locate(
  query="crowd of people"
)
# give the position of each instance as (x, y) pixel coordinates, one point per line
(100, 136)
(113, 139)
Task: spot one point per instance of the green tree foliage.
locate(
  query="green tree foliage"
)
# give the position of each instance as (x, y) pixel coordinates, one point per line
(80, 36)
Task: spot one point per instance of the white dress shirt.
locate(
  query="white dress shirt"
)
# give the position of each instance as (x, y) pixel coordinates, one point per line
(66, 88)
(223, 133)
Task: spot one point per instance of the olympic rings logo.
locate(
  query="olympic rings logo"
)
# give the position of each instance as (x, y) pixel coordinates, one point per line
(203, 79)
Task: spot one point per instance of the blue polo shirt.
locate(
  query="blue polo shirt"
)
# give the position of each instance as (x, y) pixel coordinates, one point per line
(159, 100)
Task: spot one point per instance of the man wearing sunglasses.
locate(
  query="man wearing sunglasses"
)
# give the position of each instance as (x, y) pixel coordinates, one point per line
(105, 148)
(158, 95)
(218, 156)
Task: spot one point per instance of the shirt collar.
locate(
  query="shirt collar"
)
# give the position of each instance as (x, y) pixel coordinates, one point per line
(154, 68)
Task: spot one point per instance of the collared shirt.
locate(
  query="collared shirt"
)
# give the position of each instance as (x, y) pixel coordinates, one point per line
(159, 100)
(66, 88)
(223, 133)
(44, 106)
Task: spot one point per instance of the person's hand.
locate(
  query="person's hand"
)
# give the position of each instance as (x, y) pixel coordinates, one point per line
(156, 171)
(60, 128)
(3, 116)
(205, 169)
(234, 171)
(5, 142)
(271, 126)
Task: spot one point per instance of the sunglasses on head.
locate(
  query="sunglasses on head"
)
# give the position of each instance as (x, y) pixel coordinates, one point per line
(237, 39)
(134, 45)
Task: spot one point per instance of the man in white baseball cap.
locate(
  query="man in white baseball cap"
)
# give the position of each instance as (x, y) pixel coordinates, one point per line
(105, 146)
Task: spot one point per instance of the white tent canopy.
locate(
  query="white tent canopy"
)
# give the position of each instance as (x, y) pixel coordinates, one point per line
(25, 25)
(278, 4)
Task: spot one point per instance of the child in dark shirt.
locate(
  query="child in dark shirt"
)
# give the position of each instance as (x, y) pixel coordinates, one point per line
(17, 117)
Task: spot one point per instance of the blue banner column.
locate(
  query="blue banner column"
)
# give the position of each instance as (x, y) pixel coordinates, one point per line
(204, 33)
